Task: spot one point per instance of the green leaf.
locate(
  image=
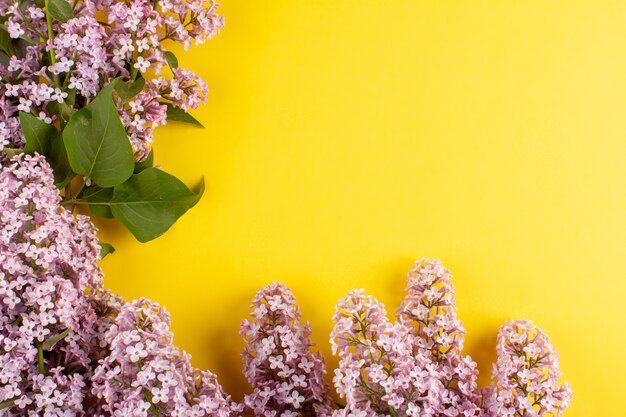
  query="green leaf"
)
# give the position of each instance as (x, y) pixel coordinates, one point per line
(5, 42)
(11, 152)
(150, 202)
(7, 403)
(99, 195)
(65, 109)
(60, 10)
(54, 339)
(57, 158)
(106, 249)
(179, 115)
(146, 163)
(171, 59)
(129, 89)
(46, 140)
(96, 142)
(36, 132)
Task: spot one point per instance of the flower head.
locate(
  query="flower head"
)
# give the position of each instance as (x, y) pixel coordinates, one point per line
(285, 375)
(48, 274)
(526, 374)
(145, 374)
(89, 52)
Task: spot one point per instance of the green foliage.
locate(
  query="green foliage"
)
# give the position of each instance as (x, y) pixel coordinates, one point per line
(171, 59)
(146, 163)
(179, 115)
(5, 42)
(126, 90)
(36, 132)
(99, 195)
(7, 403)
(96, 142)
(106, 249)
(46, 140)
(47, 345)
(94, 145)
(65, 109)
(60, 10)
(150, 202)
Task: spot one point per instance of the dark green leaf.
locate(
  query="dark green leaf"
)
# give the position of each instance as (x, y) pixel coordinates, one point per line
(150, 202)
(96, 142)
(129, 89)
(36, 132)
(146, 163)
(5, 42)
(60, 10)
(11, 152)
(99, 195)
(54, 339)
(65, 109)
(179, 115)
(106, 249)
(57, 158)
(7, 404)
(171, 59)
(71, 97)
(46, 140)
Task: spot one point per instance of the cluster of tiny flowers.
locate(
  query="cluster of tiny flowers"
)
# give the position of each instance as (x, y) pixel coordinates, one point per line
(415, 367)
(429, 310)
(47, 268)
(104, 40)
(68, 347)
(412, 367)
(526, 375)
(144, 374)
(286, 376)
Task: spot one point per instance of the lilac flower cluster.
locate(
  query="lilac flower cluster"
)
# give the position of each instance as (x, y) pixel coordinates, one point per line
(526, 375)
(51, 69)
(68, 347)
(286, 377)
(47, 268)
(413, 367)
(145, 374)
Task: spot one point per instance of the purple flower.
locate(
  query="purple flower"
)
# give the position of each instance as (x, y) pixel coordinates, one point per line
(48, 274)
(70, 347)
(286, 377)
(89, 52)
(429, 310)
(144, 374)
(410, 368)
(526, 375)
(67, 345)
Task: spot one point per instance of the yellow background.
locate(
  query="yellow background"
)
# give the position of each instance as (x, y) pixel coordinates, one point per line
(346, 138)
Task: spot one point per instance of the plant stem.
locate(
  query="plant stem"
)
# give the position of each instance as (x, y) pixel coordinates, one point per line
(53, 59)
(42, 369)
(133, 70)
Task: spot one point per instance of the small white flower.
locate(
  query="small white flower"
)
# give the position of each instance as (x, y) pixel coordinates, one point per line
(142, 64)
(136, 352)
(44, 117)
(24, 105)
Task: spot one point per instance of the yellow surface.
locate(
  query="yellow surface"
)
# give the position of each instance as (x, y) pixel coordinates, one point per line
(346, 138)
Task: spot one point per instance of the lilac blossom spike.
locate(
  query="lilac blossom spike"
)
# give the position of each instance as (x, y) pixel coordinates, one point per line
(286, 376)
(47, 272)
(526, 376)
